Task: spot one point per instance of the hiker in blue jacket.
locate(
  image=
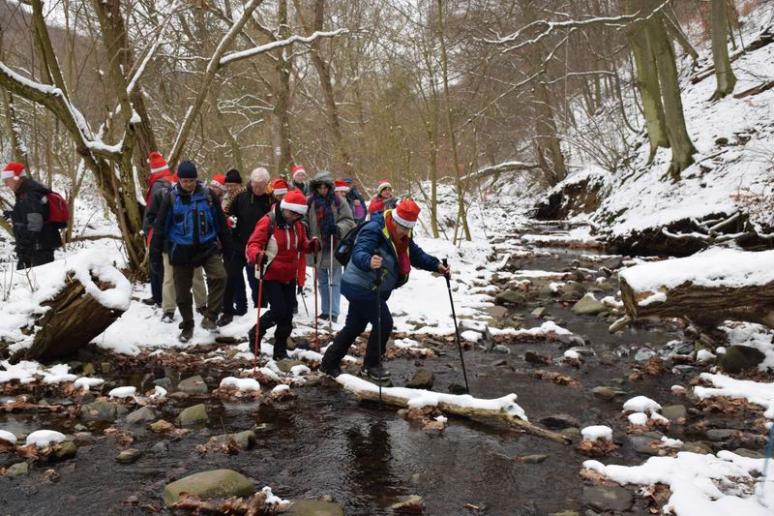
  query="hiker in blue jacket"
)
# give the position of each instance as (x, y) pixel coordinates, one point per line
(382, 258)
(192, 230)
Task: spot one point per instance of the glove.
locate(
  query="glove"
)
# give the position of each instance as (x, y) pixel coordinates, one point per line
(314, 245)
(7, 214)
(260, 258)
(299, 290)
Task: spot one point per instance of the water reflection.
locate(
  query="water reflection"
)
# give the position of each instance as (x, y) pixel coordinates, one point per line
(370, 452)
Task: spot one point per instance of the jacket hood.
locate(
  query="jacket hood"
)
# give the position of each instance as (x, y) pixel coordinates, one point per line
(322, 177)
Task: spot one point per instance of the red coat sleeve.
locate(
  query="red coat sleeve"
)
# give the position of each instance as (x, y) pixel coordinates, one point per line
(258, 239)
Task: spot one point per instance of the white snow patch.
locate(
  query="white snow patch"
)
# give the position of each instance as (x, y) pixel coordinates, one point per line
(241, 384)
(7, 436)
(123, 392)
(758, 393)
(704, 355)
(280, 388)
(43, 438)
(641, 404)
(470, 336)
(299, 370)
(597, 432)
(86, 383)
(638, 418)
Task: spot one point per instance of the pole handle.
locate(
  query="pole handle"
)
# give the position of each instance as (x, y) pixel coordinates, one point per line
(445, 262)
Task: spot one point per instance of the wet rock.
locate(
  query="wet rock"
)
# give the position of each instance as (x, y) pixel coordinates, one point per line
(533, 459)
(643, 444)
(588, 305)
(750, 454)
(569, 341)
(160, 448)
(315, 508)
(141, 415)
(128, 456)
(80, 428)
(164, 383)
(287, 364)
(560, 422)
(644, 354)
(65, 450)
(244, 440)
(219, 483)
(193, 415)
(88, 369)
(456, 388)
(193, 385)
(604, 393)
(17, 470)
(720, 434)
(697, 447)
(160, 426)
(423, 379)
(603, 498)
(497, 312)
(539, 312)
(84, 438)
(564, 513)
(572, 433)
(502, 348)
(511, 298)
(409, 505)
(739, 358)
(102, 410)
(533, 357)
(571, 291)
(674, 412)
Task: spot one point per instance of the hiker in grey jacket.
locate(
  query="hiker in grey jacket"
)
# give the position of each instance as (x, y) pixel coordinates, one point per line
(329, 219)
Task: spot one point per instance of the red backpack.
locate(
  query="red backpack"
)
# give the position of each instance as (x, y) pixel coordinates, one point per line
(58, 210)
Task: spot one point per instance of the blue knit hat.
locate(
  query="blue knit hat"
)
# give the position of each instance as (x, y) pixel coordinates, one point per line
(186, 170)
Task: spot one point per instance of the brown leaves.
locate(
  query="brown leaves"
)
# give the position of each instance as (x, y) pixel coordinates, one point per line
(22, 404)
(598, 448)
(593, 476)
(122, 437)
(653, 367)
(557, 378)
(219, 444)
(253, 506)
(725, 405)
(429, 418)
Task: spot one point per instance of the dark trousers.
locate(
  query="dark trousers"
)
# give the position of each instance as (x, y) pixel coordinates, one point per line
(216, 284)
(360, 314)
(156, 283)
(32, 257)
(235, 285)
(281, 299)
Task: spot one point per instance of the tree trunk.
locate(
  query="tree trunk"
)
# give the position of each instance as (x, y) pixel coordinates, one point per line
(13, 129)
(283, 152)
(677, 134)
(724, 74)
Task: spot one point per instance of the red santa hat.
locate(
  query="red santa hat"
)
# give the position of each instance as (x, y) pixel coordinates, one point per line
(383, 184)
(296, 170)
(279, 186)
(157, 163)
(407, 213)
(218, 181)
(294, 201)
(342, 186)
(14, 170)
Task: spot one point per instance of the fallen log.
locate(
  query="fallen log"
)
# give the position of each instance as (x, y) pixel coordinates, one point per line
(707, 288)
(83, 298)
(504, 409)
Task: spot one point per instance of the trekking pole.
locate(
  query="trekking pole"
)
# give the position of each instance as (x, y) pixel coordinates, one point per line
(330, 291)
(378, 284)
(303, 299)
(456, 328)
(256, 344)
(316, 336)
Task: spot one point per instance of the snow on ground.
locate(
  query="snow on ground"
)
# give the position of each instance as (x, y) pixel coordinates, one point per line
(700, 484)
(713, 268)
(597, 432)
(758, 393)
(752, 335)
(43, 438)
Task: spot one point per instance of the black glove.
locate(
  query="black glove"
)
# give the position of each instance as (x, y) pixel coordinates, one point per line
(7, 214)
(299, 290)
(314, 245)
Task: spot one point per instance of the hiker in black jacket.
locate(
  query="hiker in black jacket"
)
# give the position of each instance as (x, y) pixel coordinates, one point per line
(35, 239)
(247, 208)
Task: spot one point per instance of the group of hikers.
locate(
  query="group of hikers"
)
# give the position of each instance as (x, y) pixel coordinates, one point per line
(270, 230)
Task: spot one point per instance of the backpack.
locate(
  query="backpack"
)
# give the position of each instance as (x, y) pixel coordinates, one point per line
(345, 246)
(58, 210)
(181, 223)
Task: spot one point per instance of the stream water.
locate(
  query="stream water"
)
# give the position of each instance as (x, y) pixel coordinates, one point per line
(363, 455)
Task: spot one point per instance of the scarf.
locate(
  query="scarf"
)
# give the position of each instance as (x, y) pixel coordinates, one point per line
(401, 246)
(323, 209)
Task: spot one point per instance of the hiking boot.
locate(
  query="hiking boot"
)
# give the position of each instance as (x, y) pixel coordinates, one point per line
(376, 373)
(149, 301)
(201, 310)
(168, 317)
(333, 372)
(225, 319)
(326, 317)
(209, 324)
(187, 332)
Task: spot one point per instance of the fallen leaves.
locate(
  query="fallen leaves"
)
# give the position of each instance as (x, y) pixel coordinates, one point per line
(557, 378)
(597, 448)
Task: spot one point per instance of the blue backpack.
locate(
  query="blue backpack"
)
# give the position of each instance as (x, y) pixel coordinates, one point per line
(192, 222)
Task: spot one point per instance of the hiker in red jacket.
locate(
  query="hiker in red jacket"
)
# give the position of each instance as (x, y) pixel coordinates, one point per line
(274, 247)
(383, 200)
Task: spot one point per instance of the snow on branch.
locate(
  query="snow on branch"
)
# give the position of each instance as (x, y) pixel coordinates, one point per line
(153, 48)
(244, 54)
(547, 27)
(506, 166)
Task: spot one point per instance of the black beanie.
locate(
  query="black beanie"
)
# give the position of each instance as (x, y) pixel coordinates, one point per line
(186, 170)
(232, 176)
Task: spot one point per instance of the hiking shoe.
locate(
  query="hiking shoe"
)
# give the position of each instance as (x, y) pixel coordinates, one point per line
(326, 317)
(376, 373)
(187, 332)
(225, 319)
(201, 310)
(333, 372)
(168, 317)
(149, 301)
(209, 324)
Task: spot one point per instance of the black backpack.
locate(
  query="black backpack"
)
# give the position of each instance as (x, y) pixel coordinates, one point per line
(345, 246)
